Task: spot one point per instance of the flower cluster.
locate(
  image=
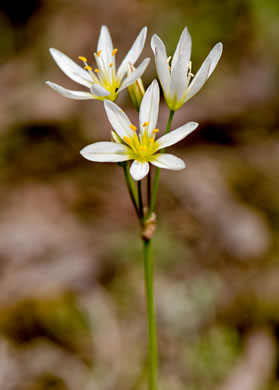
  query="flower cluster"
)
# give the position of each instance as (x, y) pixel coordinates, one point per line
(105, 82)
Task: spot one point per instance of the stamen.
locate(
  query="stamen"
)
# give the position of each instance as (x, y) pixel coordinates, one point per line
(145, 124)
(96, 70)
(168, 60)
(99, 53)
(127, 139)
(87, 67)
(110, 65)
(151, 140)
(155, 131)
(142, 149)
(84, 59)
(133, 127)
(114, 52)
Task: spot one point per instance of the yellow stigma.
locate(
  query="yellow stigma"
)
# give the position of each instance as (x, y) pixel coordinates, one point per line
(84, 59)
(99, 53)
(127, 139)
(155, 131)
(110, 65)
(151, 140)
(114, 52)
(133, 127)
(88, 67)
(142, 149)
(145, 124)
(96, 70)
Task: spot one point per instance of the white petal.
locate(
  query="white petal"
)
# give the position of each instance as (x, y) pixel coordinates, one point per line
(149, 107)
(183, 48)
(136, 74)
(105, 152)
(179, 80)
(205, 70)
(133, 54)
(139, 170)
(215, 55)
(105, 46)
(199, 79)
(99, 91)
(118, 119)
(78, 95)
(71, 69)
(168, 161)
(161, 63)
(176, 135)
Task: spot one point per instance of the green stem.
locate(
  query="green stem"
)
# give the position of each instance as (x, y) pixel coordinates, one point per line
(151, 320)
(157, 173)
(131, 188)
(140, 207)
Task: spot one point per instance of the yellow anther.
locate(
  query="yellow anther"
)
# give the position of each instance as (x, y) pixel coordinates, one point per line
(133, 127)
(142, 149)
(114, 52)
(88, 67)
(145, 124)
(155, 131)
(127, 139)
(96, 70)
(84, 59)
(151, 140)
(99, 53)
(110, 65)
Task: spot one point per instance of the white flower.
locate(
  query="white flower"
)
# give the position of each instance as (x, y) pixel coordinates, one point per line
(104, 81)
(142, 148)
(175, 78)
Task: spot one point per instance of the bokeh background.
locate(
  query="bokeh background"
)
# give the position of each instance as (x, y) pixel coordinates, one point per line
(72, 311)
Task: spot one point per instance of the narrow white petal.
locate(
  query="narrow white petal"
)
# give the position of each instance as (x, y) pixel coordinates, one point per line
(99, 91)
(215, 55)
(156, 42)
(105, 152)
(168, 161)
(149, 107)
(205, 70)
(139, 170)
(199, 80)
(78, 95)
(136, 74)
(179, 80)
(133, 54)
(183, 48)
(105, 46)
(176, 135)
(161, 63)
(118, 119)
(71, 69)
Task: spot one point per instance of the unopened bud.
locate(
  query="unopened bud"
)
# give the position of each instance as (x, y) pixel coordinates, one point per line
(136, 90)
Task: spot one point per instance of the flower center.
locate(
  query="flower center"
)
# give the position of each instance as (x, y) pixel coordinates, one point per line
(142, 146)
(104, 74)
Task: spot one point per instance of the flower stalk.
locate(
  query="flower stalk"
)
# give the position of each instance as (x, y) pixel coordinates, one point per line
(151, 318)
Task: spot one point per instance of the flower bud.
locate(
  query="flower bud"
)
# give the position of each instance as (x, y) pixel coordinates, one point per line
(136, 90)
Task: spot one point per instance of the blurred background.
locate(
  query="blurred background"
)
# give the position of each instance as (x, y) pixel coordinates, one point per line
(72, 310)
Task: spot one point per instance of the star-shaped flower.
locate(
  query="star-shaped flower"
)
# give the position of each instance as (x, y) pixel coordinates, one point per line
(175, 76)
(104, 82)
(143, 148)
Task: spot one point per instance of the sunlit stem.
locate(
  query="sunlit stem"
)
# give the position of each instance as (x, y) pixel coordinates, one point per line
(157, 172)
(131, 188)
(151, 318)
